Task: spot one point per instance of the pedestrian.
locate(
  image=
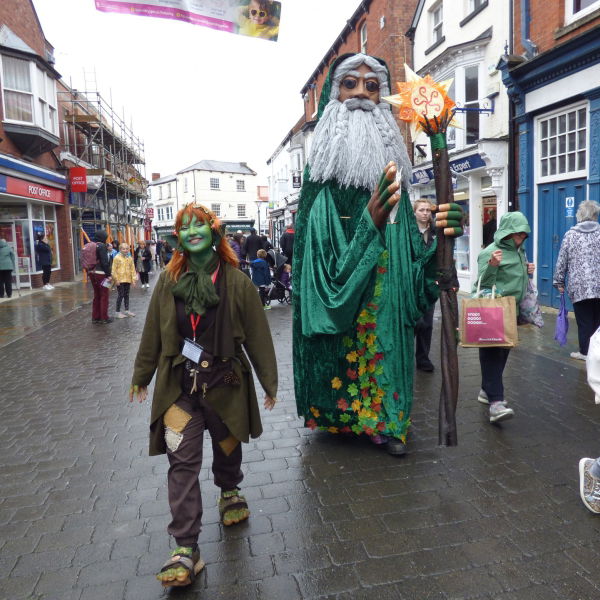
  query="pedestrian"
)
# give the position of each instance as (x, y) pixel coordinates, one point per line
(502, 264)
(266, 244)
(159, 247)
(44, 255)
(424, 326)
(489, 229)
(99, 274)
(203, 324)
(7, 266)
(286, 276)
(166, 253)
(261, 276)
(111, 253)
(143, 262)
(578, 258)
(253, 245)
(124, 276)
(286, 242)
(236, 244)
(152, 248)
(589, 468)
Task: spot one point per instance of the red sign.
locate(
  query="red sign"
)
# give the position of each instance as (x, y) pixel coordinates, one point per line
(29, 189)
(78, 177)
(150, 213)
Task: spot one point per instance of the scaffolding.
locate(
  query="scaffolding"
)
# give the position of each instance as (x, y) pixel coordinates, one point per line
(96, 137)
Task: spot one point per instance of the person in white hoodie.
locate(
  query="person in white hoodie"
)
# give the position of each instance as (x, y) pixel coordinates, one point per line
(578, 258)
(589, 468)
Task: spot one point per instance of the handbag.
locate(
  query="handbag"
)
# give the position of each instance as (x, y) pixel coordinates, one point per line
(593, 364)
(488, 322)
(562, 322)
(530, 312)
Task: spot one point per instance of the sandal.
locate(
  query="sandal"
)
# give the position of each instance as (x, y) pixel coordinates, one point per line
(233, 508)
(181, 568)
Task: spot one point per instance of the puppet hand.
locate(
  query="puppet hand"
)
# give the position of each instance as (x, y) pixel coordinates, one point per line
(530, 268)
(385, 197)
(141, 391)
(270, 402)
(450, 218)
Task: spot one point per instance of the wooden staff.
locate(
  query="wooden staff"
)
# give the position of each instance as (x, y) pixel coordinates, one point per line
(447, 433)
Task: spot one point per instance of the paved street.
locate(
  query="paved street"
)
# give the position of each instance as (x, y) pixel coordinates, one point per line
(83, 509)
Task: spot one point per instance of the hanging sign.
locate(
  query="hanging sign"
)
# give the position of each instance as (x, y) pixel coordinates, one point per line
(296, 180)
(78, 177)
(260, 20)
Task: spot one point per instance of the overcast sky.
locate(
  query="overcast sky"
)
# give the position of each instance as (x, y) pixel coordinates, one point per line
(192, 93)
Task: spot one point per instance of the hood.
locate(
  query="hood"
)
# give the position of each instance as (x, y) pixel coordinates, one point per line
(512, 222)
(586, 227)
(3, 243)
(326, 91)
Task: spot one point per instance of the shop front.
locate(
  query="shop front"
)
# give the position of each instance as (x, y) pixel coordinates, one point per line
(29, 208)
(479, 186)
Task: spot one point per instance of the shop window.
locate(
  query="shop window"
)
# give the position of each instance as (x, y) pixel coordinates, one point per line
(563, 143)
(241, 211)
(29, 94)
(216, 208)
(214, 183)
(240, 185)
(575, 9)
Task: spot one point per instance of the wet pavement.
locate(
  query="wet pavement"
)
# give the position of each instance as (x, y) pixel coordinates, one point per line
(83, 509)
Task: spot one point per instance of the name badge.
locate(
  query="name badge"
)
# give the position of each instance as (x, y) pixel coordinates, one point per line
(192, 350)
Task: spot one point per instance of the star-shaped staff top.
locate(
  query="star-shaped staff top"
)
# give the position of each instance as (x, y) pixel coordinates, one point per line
(422, 98)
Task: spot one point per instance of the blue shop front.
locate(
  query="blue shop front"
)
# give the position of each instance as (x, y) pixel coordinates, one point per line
(556, 97)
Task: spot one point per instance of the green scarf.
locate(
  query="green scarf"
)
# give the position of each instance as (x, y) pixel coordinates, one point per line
(195, 287)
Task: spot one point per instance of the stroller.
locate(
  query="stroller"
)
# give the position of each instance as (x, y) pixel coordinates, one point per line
(278, 290)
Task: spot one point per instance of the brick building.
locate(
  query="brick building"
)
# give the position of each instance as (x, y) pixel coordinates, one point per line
(377, 27)
(552, 74)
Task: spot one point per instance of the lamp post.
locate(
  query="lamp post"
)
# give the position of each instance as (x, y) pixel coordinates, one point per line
(258, 203)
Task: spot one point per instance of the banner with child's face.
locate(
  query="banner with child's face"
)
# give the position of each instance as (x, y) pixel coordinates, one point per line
(255, 18)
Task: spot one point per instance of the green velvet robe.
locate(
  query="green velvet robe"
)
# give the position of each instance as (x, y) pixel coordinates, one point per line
(160, 353)
(358, 292)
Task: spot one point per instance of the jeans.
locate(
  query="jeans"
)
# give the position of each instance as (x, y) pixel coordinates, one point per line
(587, 315)
(123, 295)
(493, 361)
(100, 302)
(184, 451)
(6, 283)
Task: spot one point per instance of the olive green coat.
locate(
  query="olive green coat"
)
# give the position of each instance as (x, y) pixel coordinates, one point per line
(160, 347)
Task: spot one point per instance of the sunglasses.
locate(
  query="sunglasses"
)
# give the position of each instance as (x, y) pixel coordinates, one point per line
(370, 84)
(259, 13)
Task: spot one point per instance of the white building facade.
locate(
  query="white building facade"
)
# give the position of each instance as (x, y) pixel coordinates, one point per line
(229, 189)
(463, 40)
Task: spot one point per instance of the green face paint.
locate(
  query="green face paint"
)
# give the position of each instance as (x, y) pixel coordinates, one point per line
(195, 236)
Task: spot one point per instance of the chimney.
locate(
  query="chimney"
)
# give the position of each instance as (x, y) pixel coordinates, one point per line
(155, 176)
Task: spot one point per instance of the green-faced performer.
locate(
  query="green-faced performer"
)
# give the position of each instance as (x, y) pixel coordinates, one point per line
(205, 326)
(362, 274)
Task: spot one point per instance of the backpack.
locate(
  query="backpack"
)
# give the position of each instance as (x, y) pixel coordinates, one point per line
(89, 256)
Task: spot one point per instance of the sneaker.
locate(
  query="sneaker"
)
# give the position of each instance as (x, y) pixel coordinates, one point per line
(105, 321)
(578, 356)
(589, 487)
(48, 287)
(120, 315)
(129, 313)
(426, 366)
(51, 286)
(96, 321)
(267, 307)
(483, 397)
(500, 412)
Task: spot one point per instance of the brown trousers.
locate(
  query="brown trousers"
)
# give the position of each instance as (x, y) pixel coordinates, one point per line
(185, 423)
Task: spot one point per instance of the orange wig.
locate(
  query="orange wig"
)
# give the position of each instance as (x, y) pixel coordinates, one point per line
(178, 264)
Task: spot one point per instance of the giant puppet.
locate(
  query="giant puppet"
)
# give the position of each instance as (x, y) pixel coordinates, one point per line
(362, 274)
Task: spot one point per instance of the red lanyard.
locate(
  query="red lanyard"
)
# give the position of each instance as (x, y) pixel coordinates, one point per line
(194, 320)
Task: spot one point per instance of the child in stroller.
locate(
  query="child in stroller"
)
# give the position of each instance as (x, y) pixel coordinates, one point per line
(281, 289)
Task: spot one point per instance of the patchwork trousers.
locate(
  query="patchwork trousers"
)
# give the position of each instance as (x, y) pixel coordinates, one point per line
(185, 423)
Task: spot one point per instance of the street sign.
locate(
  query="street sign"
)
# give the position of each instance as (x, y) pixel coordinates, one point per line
(150, 213)
(296, 180)
(569, 207)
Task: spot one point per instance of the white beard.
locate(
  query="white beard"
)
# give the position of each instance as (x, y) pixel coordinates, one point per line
(353, 142)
